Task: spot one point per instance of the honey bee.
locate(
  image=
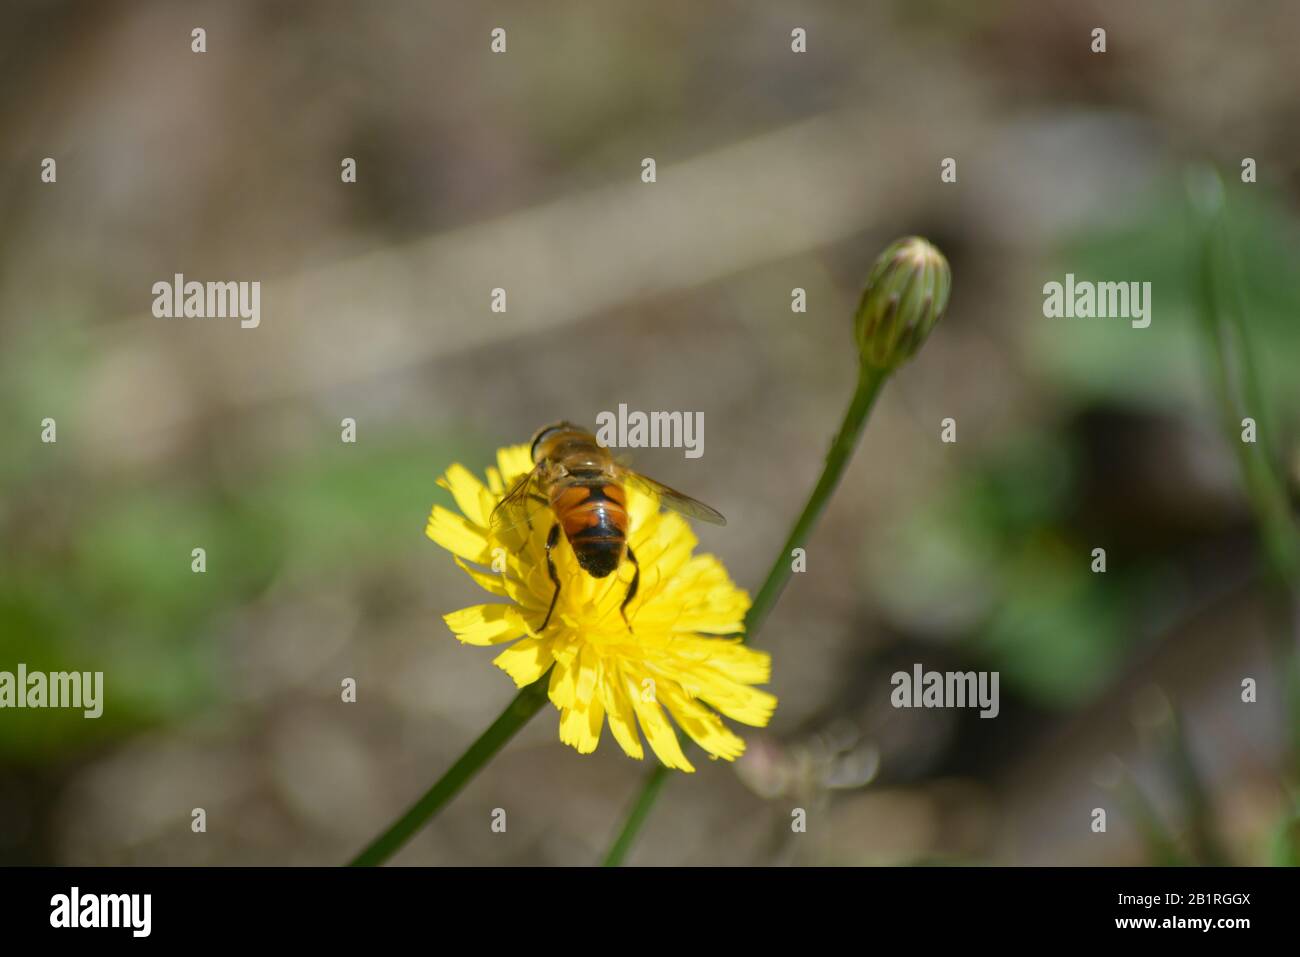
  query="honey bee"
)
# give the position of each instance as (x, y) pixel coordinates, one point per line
(578, 480)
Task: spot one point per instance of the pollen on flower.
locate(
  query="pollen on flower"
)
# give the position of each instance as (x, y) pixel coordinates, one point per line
(681, 657)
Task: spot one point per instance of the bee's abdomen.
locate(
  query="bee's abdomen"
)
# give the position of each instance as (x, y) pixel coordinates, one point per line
(594, 520)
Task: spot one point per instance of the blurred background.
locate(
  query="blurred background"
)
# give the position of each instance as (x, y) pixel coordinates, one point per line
(775, 170)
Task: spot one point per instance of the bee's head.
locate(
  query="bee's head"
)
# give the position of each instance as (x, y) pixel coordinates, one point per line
(546, 432)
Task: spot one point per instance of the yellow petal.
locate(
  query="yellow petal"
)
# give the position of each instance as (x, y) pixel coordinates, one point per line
(584, 688)
(659, 732)
(740, 702)
(668, 548)
(705, 728)
(561, 689)
(622, 719)
(525, 661)
(641, 508)
(486, 624)
(458, 535)
(727, 657)
(580, 726)
(472, 496)
(700, 600)
(513, 461)
(742, 663)
(485, 580)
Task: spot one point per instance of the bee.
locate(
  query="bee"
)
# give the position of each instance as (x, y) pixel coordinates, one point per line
(577, 479)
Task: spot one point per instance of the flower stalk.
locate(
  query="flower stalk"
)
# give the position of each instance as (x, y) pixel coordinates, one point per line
(870, 379)
(525, 705)
(905, 297)
(1222, 310)
(1236, 380)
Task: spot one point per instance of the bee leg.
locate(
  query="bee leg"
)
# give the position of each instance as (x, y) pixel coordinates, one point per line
(631, 589)
(552, 539)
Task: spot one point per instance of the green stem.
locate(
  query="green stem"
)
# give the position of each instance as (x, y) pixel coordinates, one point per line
(1237, 385)
(1162, 850)
(525, 704)
(1198, 806)
(870, 380)
(654, 782)
(837, 459)
(1236, 379)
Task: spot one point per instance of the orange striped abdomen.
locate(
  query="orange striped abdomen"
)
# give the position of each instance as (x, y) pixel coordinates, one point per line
(594, 519)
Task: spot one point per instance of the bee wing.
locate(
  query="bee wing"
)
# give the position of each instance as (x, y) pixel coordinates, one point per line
(521, 503)
(671, 498)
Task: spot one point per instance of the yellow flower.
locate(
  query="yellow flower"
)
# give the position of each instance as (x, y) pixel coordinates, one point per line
(673, 657)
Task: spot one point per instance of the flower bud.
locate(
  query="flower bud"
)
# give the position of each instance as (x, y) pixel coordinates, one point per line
(906, 295)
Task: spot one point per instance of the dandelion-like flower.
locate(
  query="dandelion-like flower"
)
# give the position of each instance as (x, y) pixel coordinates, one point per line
(681, 654)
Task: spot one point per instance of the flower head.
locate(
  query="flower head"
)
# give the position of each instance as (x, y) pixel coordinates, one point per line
(681, 653)
(906, 295)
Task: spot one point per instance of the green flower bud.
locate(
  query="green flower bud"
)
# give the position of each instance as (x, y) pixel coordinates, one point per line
(906, 295)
